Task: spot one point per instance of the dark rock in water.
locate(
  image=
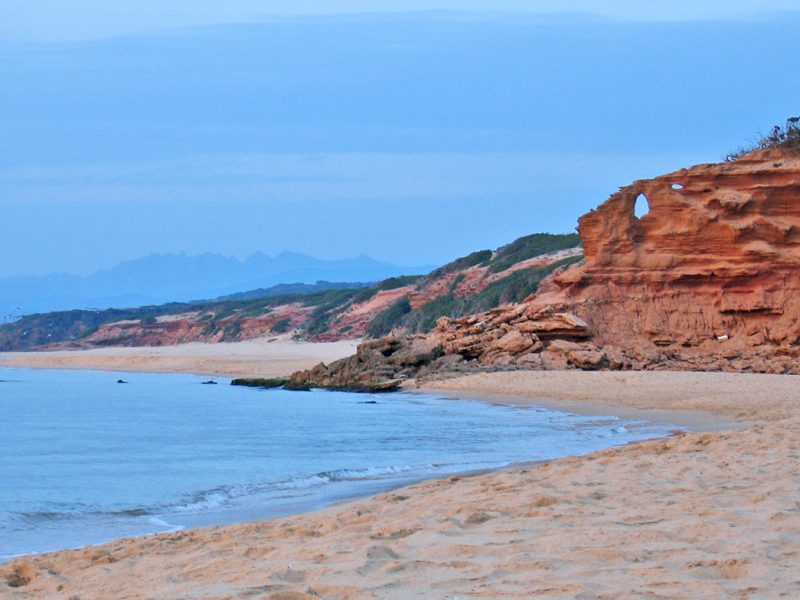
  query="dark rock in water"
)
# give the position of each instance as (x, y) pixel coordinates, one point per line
(369, 402)
(258, 382)
(121, 381)
(301, 385)
(296, 387)
(209, 382)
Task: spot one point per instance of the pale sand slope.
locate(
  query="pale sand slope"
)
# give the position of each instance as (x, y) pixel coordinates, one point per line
(704, 401)
(707, 515)
(254, 358)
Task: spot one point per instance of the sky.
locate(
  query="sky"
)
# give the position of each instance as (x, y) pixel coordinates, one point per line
(412, 131)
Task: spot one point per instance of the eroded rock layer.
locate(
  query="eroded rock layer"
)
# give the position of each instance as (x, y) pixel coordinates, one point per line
(708, 278)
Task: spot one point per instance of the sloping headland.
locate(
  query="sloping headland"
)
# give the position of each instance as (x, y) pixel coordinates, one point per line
(410, 303)
(706, 280)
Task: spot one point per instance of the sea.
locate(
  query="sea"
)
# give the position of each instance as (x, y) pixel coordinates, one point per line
(85, 459)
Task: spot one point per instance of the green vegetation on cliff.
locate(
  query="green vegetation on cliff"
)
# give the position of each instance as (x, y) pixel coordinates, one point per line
(281, 325)
(388, 319)
(524, 248)
(465, 262)
(327, 305)
(512, 288)
(531, 246)
(780, 136)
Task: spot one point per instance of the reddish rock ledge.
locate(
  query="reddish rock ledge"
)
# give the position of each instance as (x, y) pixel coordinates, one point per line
(708, 279)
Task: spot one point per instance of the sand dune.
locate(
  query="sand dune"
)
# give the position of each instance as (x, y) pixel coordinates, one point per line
(701, 515)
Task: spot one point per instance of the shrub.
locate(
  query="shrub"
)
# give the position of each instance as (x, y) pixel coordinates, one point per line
(386, 320)
(228, 309)
(425, 317)
(458, 279)
(232, 329)
(255, 309)
(211, 328)
(531, 246)
(780, 136)
(327, 303)
(328, 299)
(364, 295)
(512, 288)
(465, 262)
(392, 283)
(281, 325)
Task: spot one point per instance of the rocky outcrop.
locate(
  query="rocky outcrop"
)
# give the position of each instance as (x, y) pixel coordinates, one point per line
(378, 365)
(502, 338)
(708, 279)
(508, 334)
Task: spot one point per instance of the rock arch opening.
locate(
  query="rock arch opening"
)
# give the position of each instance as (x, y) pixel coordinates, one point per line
(642, 206)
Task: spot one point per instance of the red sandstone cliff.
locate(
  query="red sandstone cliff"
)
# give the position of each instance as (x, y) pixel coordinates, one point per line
(708, 278)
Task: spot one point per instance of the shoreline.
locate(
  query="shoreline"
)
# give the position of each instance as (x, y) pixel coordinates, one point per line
(341, 502)
(699, 401)
(707, 513)
(683, 420)
(265, 357)
(694, 399)
(208, 520)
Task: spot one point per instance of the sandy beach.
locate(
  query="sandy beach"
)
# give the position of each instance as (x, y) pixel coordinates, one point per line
(266, 357)
(709, 514)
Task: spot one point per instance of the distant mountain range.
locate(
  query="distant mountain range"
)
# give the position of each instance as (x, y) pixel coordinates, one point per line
(161, 278)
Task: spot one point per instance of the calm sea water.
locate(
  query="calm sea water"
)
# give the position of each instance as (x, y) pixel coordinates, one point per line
(85, 460)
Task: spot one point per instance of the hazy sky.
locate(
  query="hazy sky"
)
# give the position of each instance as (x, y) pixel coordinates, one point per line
(55, 20)
(414, 134)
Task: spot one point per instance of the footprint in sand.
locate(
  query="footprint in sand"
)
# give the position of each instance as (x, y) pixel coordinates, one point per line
(289, 576)
(377, 556)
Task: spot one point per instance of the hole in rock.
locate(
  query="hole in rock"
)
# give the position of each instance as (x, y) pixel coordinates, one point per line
(677, 186)
(642, 206)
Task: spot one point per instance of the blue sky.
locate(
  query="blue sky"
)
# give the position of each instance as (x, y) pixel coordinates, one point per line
(413, 134)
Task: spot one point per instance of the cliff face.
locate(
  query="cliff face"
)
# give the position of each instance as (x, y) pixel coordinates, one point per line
(182, 328)
(708, 279)
(715, 261)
